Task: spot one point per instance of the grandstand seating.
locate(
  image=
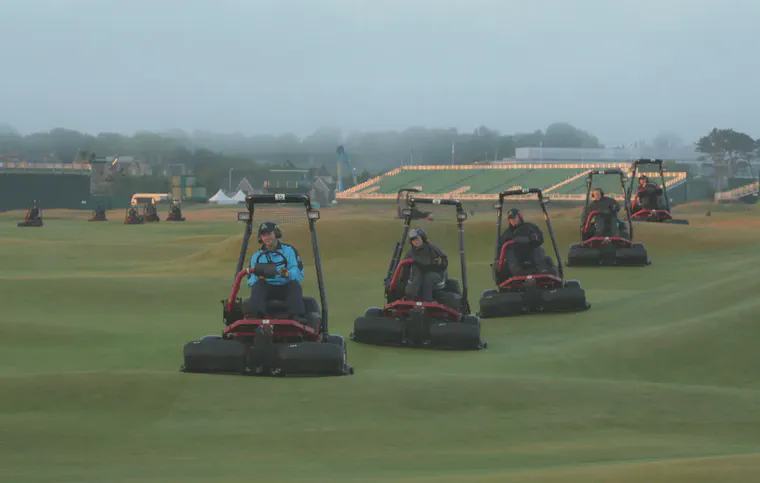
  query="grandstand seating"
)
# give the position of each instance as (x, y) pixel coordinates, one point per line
(565, 181)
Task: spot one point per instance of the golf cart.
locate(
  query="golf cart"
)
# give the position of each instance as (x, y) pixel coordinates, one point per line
(275, 344)
(417, 214)
(446, 323)
(175, 213)
(613, 245)
(660, 214)
(533, 293)
(150, 213)
(99, 214)
(132, 217)
(33, 217)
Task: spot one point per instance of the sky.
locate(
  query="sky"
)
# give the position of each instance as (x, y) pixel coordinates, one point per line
(622, 70)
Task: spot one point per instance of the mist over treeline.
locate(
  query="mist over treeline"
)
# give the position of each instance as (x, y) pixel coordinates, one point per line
(211, 155)
(373, 151)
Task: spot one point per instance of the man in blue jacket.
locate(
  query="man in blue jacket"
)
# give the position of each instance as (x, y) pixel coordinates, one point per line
(285, 285)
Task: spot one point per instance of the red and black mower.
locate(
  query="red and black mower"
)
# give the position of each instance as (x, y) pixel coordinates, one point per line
(32, 218)
(446, 323)
(99, 214)
(150, 213)
(605, 240)
(656, 204)
(175, 213)
(402, 202)
(274, 344)
(536, 292)
(132, 217)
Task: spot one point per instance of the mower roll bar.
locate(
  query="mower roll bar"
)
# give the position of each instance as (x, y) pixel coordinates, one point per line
(657, 162)
(626, 197)
(499, 212)
(311, 214)
(407, 214)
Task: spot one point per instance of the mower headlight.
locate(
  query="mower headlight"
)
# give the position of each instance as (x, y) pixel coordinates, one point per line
(244, 216)
(406, 211)
(461, 216)
(313, 214)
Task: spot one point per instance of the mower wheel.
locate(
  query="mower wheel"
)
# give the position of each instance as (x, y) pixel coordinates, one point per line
(572, 283)
(374, 312)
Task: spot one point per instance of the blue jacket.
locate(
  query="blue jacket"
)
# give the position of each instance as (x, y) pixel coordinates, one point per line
(283, 255)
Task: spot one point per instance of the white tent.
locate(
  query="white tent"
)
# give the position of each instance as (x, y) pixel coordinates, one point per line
(239, 197)
(221, 199)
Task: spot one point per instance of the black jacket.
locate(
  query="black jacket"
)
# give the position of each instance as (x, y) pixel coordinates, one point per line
(647, 195)
(521, 234)
(428, 257)
(605, 206)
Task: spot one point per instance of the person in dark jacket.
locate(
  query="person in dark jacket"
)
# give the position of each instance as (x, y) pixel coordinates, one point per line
(606, 222)
(286, 284)
(33, 214)
(429, 269)
(647, 196)
(526, 255)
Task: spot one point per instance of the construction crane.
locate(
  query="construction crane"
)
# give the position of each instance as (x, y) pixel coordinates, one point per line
(342, 156)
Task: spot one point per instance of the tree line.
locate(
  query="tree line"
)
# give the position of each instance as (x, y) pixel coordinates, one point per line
(211, 155)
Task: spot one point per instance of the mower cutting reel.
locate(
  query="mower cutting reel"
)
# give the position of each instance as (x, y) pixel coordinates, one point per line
(534, 292)
(446, 323)
(613, 247)
(659, 215)
(276, 344)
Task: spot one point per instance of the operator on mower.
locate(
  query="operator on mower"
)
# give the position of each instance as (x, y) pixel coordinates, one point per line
(647, 194)
(527, 248)
(150, 210)
(132, 215)
(606, 222)
(176, 211)
(429, 269)
(286, 284)
(33, 214)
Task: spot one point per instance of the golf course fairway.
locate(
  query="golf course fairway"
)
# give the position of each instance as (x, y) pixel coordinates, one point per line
(657, 382)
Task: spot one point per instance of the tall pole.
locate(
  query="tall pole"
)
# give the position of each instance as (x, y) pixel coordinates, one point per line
(230, 181)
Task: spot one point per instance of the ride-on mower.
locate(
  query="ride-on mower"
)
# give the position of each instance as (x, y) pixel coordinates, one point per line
(402, 202)
(133, 218)
(275, 344)
(535, 292)
(659, 214)
(175, 213)
(33, 218)
(150, 213)
(98, 214)
(613, 246)
(446, 323)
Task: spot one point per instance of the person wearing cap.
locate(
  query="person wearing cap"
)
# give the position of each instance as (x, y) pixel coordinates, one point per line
(286, 284)
(606, 222)
(429, 269)
(527, 248)
(647, 194)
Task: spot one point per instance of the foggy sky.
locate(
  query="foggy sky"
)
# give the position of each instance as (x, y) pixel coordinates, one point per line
(623, 70)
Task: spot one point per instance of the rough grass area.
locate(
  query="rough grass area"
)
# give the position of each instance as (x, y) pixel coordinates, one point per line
(657, 382)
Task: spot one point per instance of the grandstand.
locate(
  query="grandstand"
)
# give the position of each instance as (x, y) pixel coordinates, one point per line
(560, 181)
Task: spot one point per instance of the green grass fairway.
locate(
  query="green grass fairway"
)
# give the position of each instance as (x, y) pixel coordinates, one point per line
(658, 382)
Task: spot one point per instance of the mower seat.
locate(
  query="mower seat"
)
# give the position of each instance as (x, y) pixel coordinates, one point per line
(450, 295)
